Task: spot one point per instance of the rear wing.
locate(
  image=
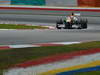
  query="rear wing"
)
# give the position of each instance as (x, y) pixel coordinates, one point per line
(77, 14)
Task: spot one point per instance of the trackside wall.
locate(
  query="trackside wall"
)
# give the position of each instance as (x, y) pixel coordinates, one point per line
(7, 2)
(41, 2)
(61, 3)
(28, 2)
(89, 3)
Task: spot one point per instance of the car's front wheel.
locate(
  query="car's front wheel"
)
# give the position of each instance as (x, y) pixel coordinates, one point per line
(68, 25)
(83, 23)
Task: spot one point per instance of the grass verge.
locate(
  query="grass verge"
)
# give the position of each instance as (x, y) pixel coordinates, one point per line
(89, 73)
(21, 26)
(15, 56)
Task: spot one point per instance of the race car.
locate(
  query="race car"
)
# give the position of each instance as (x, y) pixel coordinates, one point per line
(72, 22)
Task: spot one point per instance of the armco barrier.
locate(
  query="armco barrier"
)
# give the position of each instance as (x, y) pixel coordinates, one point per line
(50, 8)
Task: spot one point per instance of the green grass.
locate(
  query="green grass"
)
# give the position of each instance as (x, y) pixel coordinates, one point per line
(13, 26)
(1, 72)
(89, 73)
(14, 56)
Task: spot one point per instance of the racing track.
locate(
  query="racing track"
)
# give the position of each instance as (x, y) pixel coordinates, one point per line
(8, 37)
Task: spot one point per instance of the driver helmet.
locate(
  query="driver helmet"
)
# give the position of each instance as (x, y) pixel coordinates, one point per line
(72, 14)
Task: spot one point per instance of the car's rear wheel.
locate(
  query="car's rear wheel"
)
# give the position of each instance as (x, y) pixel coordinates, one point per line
(57, 26)
(58, 23)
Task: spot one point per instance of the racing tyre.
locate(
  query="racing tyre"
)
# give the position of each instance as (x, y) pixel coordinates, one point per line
(57, 26)
(83, 24)
(68, 25)
(58, 23)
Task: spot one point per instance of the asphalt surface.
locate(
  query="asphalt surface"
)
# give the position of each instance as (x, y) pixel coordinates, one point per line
(8, 37)
(40, 19)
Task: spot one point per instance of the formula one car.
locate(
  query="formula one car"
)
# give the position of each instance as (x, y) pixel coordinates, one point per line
(79, 23)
